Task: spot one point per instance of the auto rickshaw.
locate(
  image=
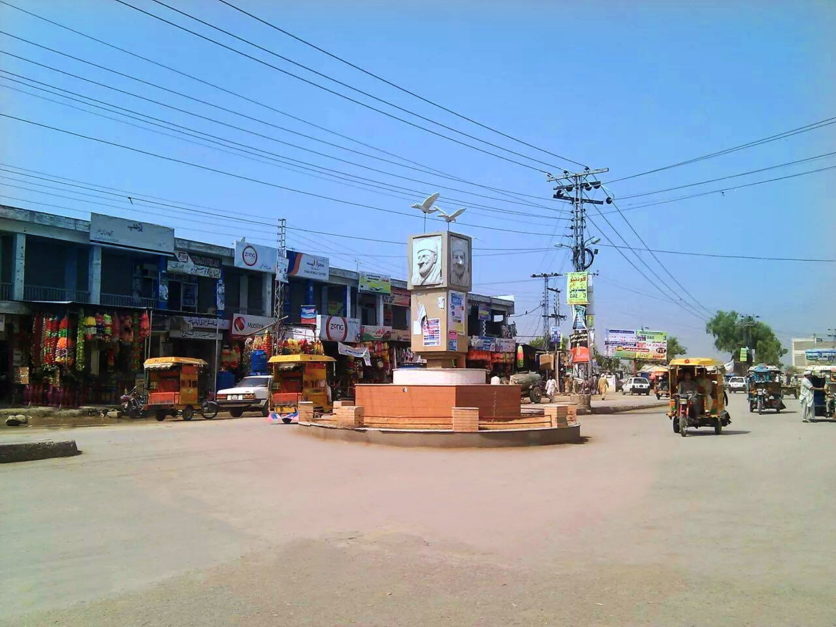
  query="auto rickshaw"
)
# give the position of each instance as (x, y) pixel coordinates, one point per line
(299, 378)
(824, 403)
(178, 384)
(659, 382)
(764, 387)
(698, 404)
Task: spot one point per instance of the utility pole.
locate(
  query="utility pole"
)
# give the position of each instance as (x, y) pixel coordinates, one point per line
(279, 286)
(547, 315)
(571, 187)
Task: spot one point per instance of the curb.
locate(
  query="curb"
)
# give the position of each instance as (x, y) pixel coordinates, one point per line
(615, 409)
(29, 451)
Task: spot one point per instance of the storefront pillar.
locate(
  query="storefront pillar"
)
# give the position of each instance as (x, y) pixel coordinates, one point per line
(267, 294)
(19, 265)
(309, 293)
(378, 304)
(71, 273)
(244, 294)
(94, 275)
(348, 312)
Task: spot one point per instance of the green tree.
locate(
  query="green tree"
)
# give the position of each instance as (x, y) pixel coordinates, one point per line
(606, 363)
(538, 342)
(675, 349)
(732, 331)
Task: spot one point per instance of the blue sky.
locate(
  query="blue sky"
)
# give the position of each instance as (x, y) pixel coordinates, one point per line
(629, 86)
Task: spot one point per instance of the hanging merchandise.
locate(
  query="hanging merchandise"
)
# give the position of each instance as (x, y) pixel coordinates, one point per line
(107, 321)
(136, 345)
(37, 339)
(79, 344)
(246, 356)
(145, 326)
(126, 334)
(100, 327)
(62, 355)
(520, 356)
(89, 328)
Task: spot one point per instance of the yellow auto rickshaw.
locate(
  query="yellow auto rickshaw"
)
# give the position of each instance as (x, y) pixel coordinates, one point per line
(697, 395)
(178, 384)
(299, 378)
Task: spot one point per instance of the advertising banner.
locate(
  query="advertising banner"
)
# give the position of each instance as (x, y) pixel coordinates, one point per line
(281, 269)
(255, 256)
(372, 333)
(554, 334)
(629, 344)
(579, 347)
(457, 320)
(308, 314)
(577, 288)
(375, 283)
(305, 266)
(338, 329)
(484, 313)
(400, 335)
(243, 324)
(400, 297)
(579, 316)
(431, 331)
(482, 343)
(187, 323)
(358, 353)
(194, 265)
(505, 345)
(132, 234)
(821, 356)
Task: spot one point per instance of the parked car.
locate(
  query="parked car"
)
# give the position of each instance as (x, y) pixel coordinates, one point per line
(636, 385)
(249, 394)
(737, 384)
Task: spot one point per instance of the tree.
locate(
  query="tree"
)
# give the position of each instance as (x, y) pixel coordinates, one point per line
(675, 349)
(538, 342)
(732, 331)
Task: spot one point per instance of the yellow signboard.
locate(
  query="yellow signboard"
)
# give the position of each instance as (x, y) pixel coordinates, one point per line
(577, 288)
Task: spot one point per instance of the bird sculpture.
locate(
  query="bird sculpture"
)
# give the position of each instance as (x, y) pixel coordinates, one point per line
(450, 217)
(427, 207)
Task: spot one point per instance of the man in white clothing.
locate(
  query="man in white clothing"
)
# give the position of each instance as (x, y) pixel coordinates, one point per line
(807, 399)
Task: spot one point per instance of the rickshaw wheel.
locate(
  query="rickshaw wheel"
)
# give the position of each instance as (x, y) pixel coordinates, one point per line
(209, 409)
(675, 422)
(718, 426)
(188, 412)
(159, 415)
(683, 426)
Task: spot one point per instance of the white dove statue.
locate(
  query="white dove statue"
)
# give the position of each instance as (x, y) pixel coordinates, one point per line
(427, 207)
(451, 217)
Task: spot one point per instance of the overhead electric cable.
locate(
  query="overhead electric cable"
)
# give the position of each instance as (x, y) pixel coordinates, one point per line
(801, 129)
(322, 87)
(398, 87)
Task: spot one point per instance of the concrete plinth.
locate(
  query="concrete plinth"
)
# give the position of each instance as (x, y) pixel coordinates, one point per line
(438, 376)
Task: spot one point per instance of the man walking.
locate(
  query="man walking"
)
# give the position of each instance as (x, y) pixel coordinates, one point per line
(808, 403)
(603, 386)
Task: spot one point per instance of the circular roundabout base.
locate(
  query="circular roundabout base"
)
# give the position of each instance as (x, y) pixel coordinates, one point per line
(445, 438)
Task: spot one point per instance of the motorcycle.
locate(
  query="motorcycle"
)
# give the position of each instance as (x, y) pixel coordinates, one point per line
(132, 404)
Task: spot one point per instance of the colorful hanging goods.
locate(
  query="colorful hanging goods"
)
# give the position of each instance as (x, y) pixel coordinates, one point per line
(107, 321)
(100, 326)
(144, 325)
(89, 328)
(62, 355)
(79, 344)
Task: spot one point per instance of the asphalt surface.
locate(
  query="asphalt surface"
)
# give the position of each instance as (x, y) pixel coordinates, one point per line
(244, 522)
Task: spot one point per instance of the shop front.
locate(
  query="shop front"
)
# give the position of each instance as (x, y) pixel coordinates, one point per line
(495, 355)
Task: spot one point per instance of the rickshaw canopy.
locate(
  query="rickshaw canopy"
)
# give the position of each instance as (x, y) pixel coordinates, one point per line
(764, 368)
(700, 362)
(164, 363)
(299, 359)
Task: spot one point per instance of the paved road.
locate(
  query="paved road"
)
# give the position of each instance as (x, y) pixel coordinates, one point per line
(239, 521)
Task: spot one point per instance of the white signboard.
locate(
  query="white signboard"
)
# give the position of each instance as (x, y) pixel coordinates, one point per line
(281, 270)
(185, 264)
(196, 322)
(307, 266)
(255, 256)
(358, 353)
(338, 329)
(243, 324)
(130, 234)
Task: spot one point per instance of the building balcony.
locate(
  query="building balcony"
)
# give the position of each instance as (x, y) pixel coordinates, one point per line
(126, 300)
(55, 294)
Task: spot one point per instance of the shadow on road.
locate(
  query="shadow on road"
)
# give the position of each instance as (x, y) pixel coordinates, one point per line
(712, 434)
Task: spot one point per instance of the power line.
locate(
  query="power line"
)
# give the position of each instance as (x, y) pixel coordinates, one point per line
(322, 87)
(726, 189)
(247, 149)
(420, 167)
(801, 129)
(731, 176)
(220, 122)
(245, 178)
(396, 86)
(719, 256)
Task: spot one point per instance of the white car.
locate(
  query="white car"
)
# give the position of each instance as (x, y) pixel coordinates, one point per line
(737, 384)
(636, 385)
(249, 394)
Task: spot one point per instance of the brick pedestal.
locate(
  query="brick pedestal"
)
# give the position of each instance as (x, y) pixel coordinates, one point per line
(465, 419)
(306, 411)
(349, 416)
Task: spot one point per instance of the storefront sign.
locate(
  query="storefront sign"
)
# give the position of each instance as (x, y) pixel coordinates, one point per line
(338, 329)
(821, 356)
(357, 353)
(505, 345)
(243, 324)
(579, 347)
(371, 333)
(400, 297)
(431, 331)
(375, 283)
(554, 334)
(255, 256)
(483, 343)
(477, 355)
(308, 315)
(300, 333)
(194, 265)
(484, 313)
(132, 234)
(194, 334)
(220, 295)
(628, 344)
(577, 288)
(305, 266)
(400, 335)
(187, 323)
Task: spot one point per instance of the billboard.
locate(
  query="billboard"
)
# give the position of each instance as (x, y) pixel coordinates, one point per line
(244, 324)
(194, 265)
(821, 356)
(642, 344)
(375, 283)
(255, 256)
(577, 288)
(338, 329)
(305, 266)
(132, 234)
(579, 347)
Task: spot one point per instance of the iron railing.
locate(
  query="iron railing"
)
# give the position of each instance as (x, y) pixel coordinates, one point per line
(40, 292)
(126, 300)
(5, 291)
